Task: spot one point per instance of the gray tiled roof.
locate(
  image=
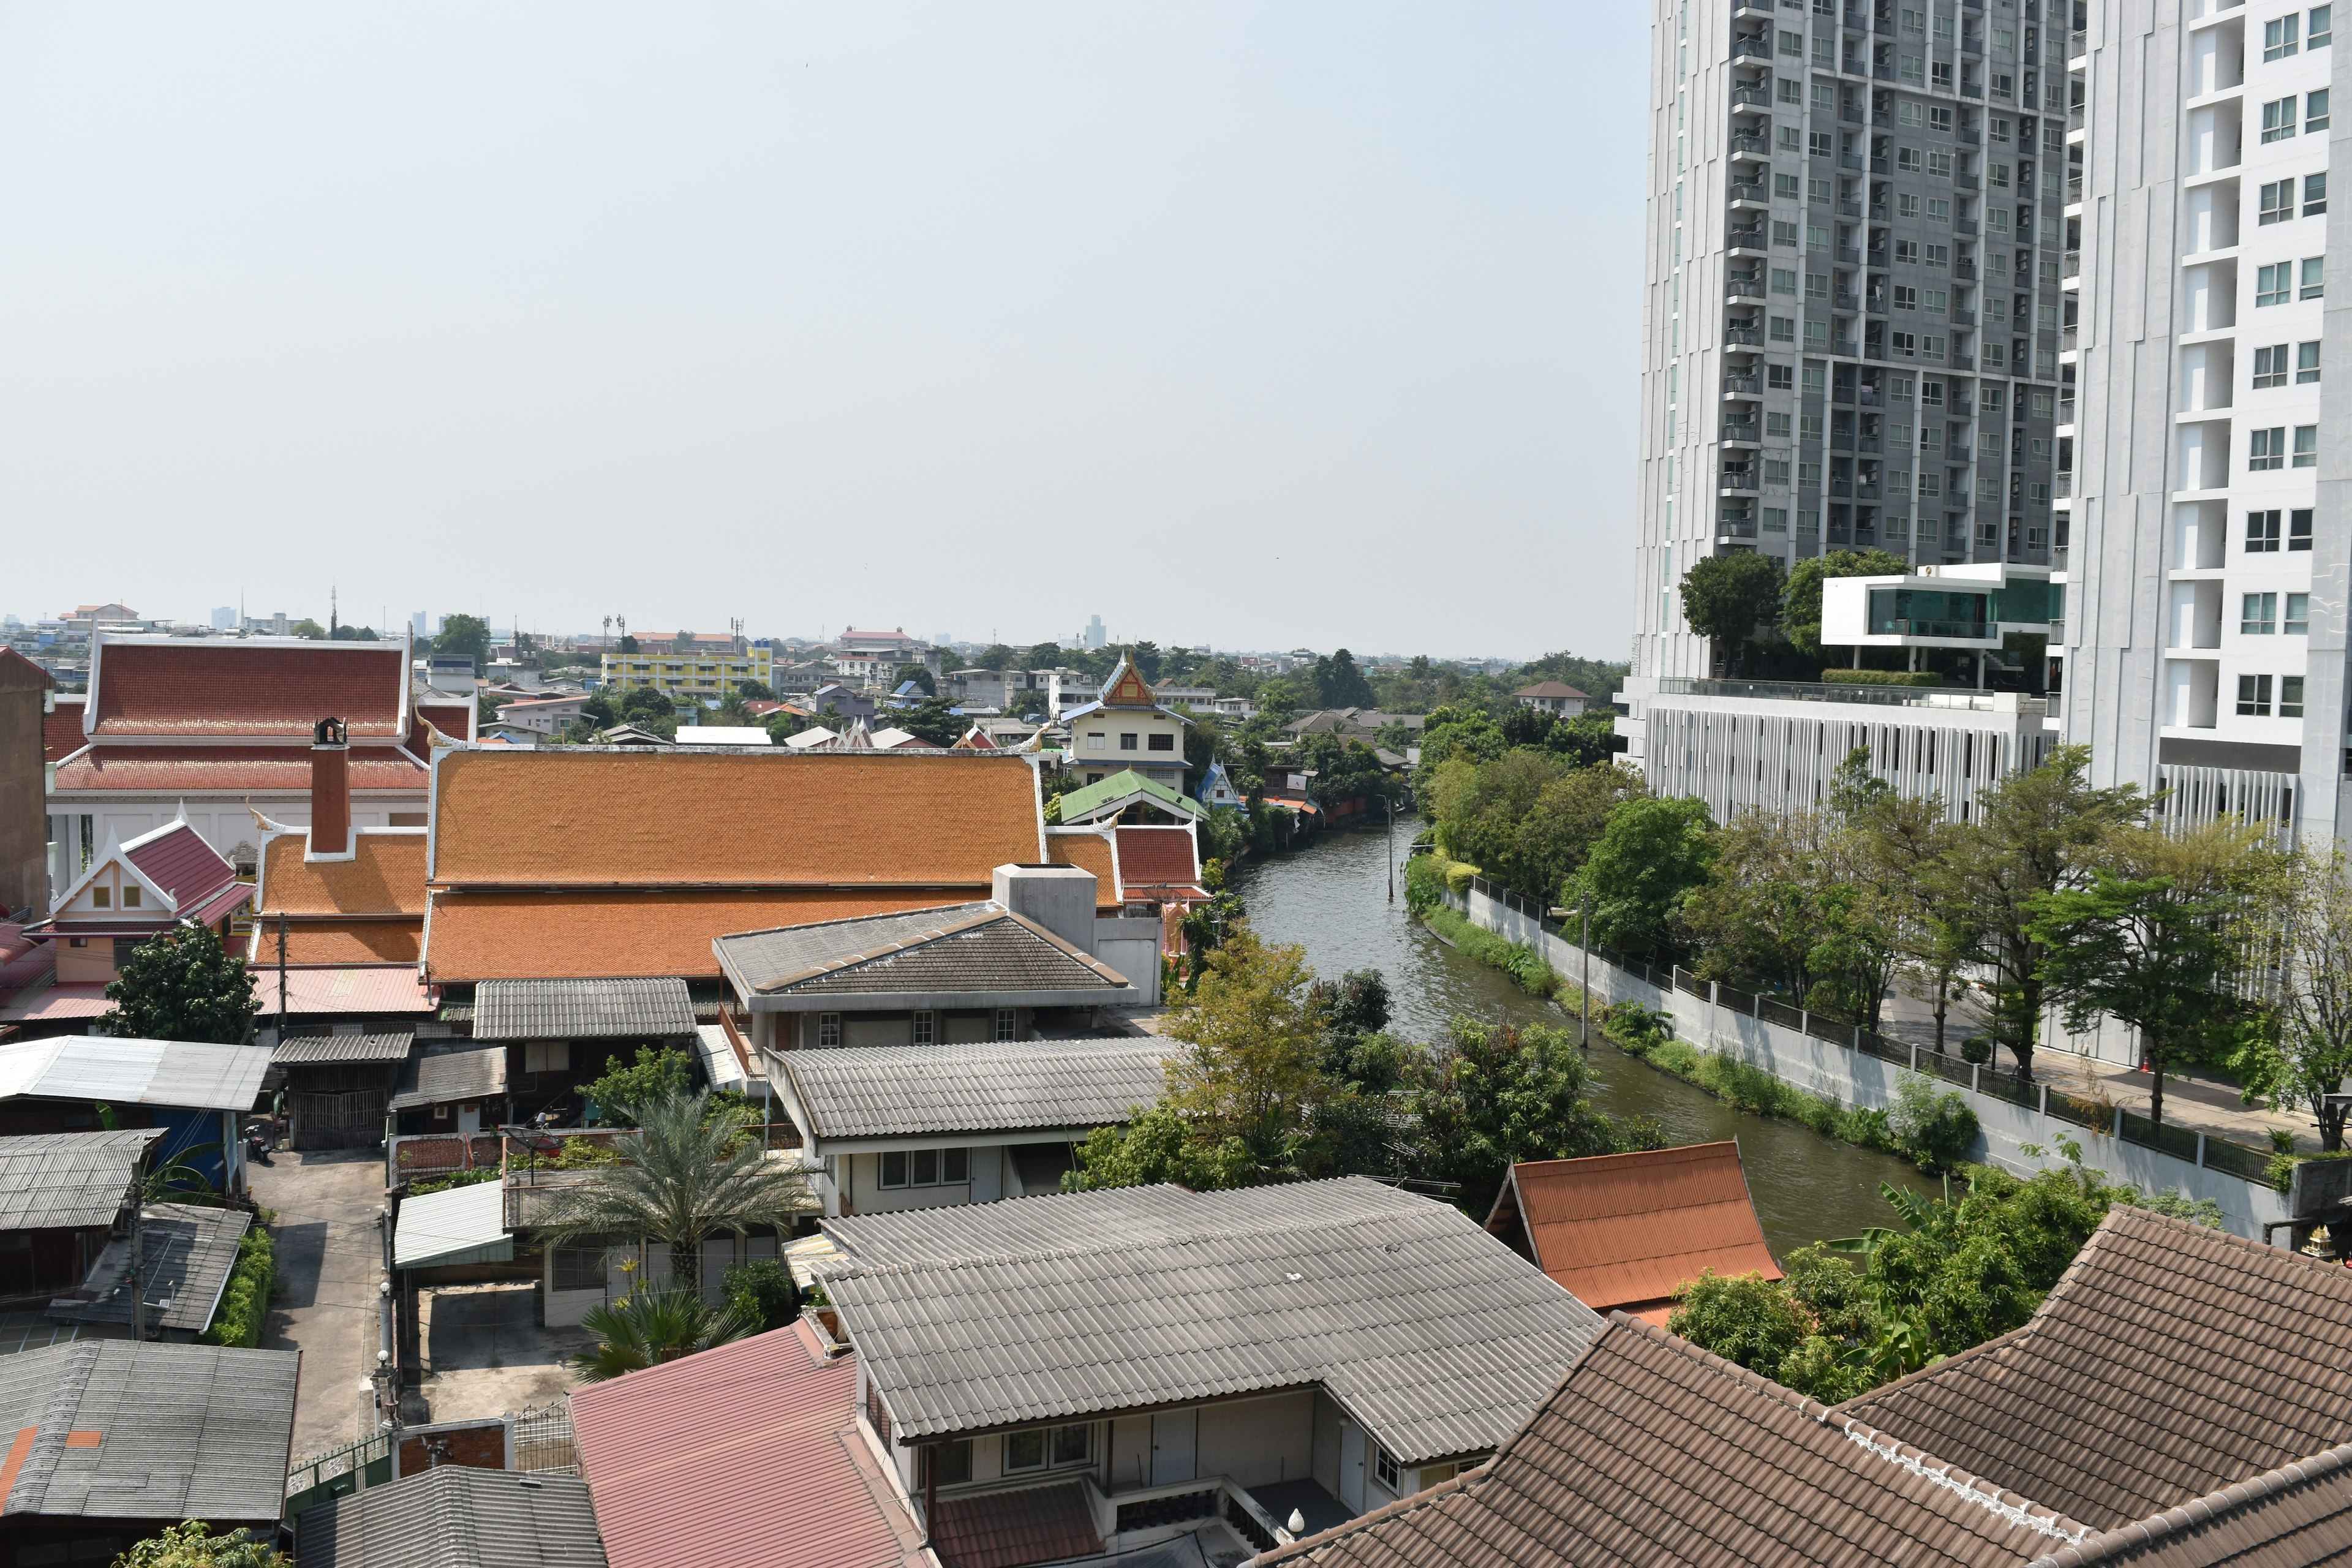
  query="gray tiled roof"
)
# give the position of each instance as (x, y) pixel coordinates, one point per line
(185, 1254)
(56, 1181)
(949, 1090)
(184, 1431)
(446, 1076)
(962, 949)
(1439, 1338)
(455, 1516)
(303, 1049)
(649, 1008)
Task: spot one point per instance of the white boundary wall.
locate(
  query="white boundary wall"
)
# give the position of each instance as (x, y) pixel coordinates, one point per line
(1867, 1082)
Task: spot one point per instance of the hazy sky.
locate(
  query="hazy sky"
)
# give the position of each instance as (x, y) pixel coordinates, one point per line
(1261, 325)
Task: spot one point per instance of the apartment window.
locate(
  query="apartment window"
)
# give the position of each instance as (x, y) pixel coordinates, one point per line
(1784, 280)
(2253, 697)
(1778, 377)
(1793, 43)
(1776, 473)
(1911, 65)
(1825, 99)
(1938, 254)
(1998, 174)
(2315, 112)
(2306, 362)
(1906, 205)
(2322, 27)
(1817, 376)
(1822, 143)
(2258, 615)
(1906, 114)
(1939, 210)
(1808, 476)
(2261, 532)
(1908, 159)
(1898, 482)
(2004, 41)
(1809, 428)
(1989, 444)
(1988, 487)
(828, 1028)
(1825, 53)
(1936, 301)
(2298, 530)
(2278, 118)
(1784, 329)
(1939, 165)
(1784, 234)
(1906, 252)
(1776, 518)
(2278, 202)
(2279, 37)
(2270, 367)
(1906, 297)
(547, 1055)
(1817, 191)
(1905, 344)
(2306, 447)
(1899, 437)
(2273, 285)
(1786, 187)
(2298, 615)
(1007, 1025)
(2315, 277)
(1930, 486)
(2314, 194)
(1915, 24)
(1817, 284)
(1941, 74)
(1384, 1466)
(1777, 425)
(1992, 399)
(2267, 448)
(2290, 697)
(925, 1033)
(1817, 236)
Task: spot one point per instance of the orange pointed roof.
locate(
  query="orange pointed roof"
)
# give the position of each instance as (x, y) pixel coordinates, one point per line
(1128, 688)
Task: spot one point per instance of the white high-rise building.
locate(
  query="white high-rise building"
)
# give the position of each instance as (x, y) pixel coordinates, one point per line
(2205, 646)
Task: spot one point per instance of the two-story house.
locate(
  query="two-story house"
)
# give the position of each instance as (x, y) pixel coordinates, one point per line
(1127, 728)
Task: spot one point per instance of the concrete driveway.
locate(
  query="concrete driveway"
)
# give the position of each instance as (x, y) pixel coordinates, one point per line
(330, 1258)
(485, 1354)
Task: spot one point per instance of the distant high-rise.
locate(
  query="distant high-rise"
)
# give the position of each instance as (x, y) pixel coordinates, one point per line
(416, 624)
(225, 618)
(1096, 636)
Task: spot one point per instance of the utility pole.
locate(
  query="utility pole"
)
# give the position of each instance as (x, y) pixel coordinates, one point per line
(282, 976)
(1391, 849)
(1585, 948)
(138, 1285)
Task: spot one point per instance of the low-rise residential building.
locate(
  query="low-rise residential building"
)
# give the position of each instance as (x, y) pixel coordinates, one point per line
(560, 1035)
(1128, 796)
(339, 1087)
(1127, 728)
(1104, 1371)
(1552, 696)
(1353, 723)
(703, 671)
(542, 716)
(194, 1090)
(454, 1515)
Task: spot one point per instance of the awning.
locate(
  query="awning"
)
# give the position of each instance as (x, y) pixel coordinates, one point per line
(463, 1225)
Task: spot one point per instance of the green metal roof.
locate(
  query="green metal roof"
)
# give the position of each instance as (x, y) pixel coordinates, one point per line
(1120, 788)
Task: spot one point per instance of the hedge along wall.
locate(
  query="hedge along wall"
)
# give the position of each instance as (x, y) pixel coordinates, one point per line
(1825, 1067)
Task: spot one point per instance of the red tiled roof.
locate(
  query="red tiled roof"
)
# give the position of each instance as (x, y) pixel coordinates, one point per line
(355, 988)
(76, 1000)
(178, 860)
(455, 719)
(667, 1453)
(228, 688)
(1630, 1230)
(594, 934)
(61, 734)
(1007, 1530)
(1549, 689)
(1157, 858)
(194, 769)
(316, 942)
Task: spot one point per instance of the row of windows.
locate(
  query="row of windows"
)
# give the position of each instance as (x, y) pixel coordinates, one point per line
(2254, 697)
(926, 1167)
(2268, 448)
(2282, 35)
(2278, 198)
(1038, 1448)
(2258, 615)
(2262, 531)
(1162, 741)
(2271, 364)
(926, 1028)
(2277, 284)
(100, 898)
(2278, 115)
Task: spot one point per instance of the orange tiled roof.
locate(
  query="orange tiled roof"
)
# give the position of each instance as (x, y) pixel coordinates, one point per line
(654, 817)
(385, 875)
(193, 770)
(1088, 852)
(228, 688)
(361, 942)
(1157, 858)
(557, 935)
(1628, 1230)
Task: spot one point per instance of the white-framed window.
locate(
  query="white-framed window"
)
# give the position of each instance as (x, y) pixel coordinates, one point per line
(1049, 1447)
(1385, 1466)
(924, 1033)
(828, 1028)
(1095, 741)
(1008, 1023)
(547, 1055)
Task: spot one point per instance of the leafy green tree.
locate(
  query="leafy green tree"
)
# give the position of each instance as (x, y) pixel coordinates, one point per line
(192, 1544)
(1338, 683)
(1148, 660)
(1906, 846)
(644, 705)
(1650, 859)
(999, 656)
(754, 691)
(651, 1326)
(1757, 915)
(658, 1073)
(2155, 940)
(1727, 598)
(1251, 1047)
(182, 984)
(1495, 1095)
(1347, 1009)
(1043, 656)
(762, 1293)
(1156, 1146)
(2034, 834)
(934, 721)
(309, 628)
(692, 1170)
(628, 644)
(470, 636)
(1801, 596)
(920, 675)
(2308, 1055)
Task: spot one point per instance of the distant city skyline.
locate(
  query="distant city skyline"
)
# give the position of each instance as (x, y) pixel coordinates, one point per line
(1222, 318)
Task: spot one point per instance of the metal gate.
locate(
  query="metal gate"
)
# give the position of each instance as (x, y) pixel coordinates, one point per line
(542, 1440)
(351, 1120)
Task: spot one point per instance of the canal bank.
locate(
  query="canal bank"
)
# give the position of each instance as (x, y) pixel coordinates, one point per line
(1331, 898)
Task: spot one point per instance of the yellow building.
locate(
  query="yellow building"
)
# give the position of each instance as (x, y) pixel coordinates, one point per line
(699, 674)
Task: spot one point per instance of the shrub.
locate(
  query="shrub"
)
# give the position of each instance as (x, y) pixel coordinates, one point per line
(1935, 1132)
(1882, 678)
(245, 1301)
(764, 1291)
(418, 1188)
(1526, 966)
(1977, 1051)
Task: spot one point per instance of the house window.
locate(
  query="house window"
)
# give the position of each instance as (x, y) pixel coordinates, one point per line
(894, 1167)
(131, 897)
(951, 1463)
(2267, 448)
(2258, 615)
(2270, 367)
(2320, 30)
(1384, 1466)
(1127, 740)
(923, 1034)
(2298, 530)
(926, 1167)
(580, 1265)
(1042, 1445)
(1095, 741)
(1008, 1025)
(2290, 697)
(2298, 614)
(547, 1055)
(101, 898)
(2261, 532)
(2253, 697)
(1163, 743)
(828, 1028)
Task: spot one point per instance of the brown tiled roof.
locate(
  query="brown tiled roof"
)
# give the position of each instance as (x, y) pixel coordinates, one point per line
(2170, 1361)
(338, 941)
(1005, 1530)
(1630, 1230)
(1089, 852)
(61, 734)
(674, 817)
(1651, 1451)
(1157, 858)
(191, 769)
(583, 934)
(2292, 1517)
(228, 688)
(962, 948)
(385, 875)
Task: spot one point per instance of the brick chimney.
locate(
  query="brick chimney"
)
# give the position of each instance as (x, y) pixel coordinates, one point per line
(330, 789)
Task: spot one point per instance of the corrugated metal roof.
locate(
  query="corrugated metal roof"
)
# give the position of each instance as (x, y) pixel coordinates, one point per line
(1437, 1336)
(185, 1254)
(649, 1008)
(185, 1073)
(441, 1077)
(306, 1048)
(746, 1454)
(183, 1431)
(359, 988)
(719, 1058)
(948, 1090)
(455, 1516)
(962, 949)
(461, 1225)
(56, 1181)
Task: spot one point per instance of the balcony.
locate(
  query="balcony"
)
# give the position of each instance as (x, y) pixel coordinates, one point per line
(1739, 481)
(1879, 696)
(2066, 340)
(1743, 387)
(1756, 96)
(1875, 304)
(2073, 265)
(1852, 256)
(1748, 142)
(1745, 432)
(1850, 161)
(1744, 288)
(1964, 318)
(1748, 46)
(2065, 411)
(1965, 270)
(1874, 351)
(1965, 226)
(1739, 336)
(2062, 485)
(1747, 191)
(1964, 362)
(1846, 302)
(1846, 347)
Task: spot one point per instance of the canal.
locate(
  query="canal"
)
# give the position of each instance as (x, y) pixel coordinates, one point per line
(1332, 898)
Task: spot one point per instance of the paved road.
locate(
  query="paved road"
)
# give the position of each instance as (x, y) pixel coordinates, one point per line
(329, 1257)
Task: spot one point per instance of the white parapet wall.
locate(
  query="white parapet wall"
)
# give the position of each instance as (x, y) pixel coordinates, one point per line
(1843, 1073)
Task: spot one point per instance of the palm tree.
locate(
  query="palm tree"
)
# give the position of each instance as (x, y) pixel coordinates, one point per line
(690, 1170)
(657, 1324)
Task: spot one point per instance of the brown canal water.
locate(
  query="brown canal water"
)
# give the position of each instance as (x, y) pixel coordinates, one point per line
(1332, 898)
